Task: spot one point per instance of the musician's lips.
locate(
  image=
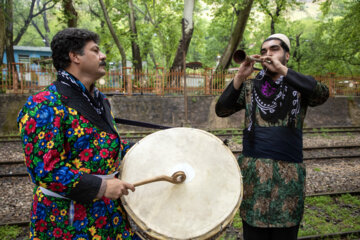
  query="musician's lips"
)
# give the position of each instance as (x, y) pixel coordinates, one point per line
(102, 64)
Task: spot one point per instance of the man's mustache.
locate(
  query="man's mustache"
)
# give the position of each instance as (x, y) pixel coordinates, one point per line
(102, 63)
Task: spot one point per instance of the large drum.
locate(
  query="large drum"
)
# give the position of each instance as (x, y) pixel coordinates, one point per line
(199, 208)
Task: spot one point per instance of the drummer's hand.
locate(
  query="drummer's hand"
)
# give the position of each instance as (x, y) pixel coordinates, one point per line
(115, 188)
(245, 70)
(275, 65)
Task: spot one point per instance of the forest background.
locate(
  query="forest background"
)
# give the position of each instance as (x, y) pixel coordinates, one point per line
(324, 34)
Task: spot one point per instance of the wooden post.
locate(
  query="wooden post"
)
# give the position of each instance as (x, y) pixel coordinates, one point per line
(128, 81)
(159, 80)
(207, 81)
(14, 77)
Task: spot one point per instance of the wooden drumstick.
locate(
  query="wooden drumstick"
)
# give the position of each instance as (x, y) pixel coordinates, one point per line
(176, 178)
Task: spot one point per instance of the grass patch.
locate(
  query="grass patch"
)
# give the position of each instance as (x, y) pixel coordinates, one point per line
(317, 169)
(9, 232)
(324, 215)
(237, 139)
(128, 135)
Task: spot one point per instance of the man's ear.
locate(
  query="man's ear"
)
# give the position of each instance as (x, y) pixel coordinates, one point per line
(287, 56)
(74, 57)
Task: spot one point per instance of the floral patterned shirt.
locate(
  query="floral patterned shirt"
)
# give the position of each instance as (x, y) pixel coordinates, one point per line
(65, 145)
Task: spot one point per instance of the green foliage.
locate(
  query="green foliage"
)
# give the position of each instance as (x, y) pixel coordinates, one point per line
(328, 38)
(9, 232)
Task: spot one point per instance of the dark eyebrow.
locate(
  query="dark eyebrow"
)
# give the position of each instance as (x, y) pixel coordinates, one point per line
(276, 45)
(272, 46)
(96, 47)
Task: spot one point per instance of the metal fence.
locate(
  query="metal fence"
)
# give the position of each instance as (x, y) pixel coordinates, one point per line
(22, 79)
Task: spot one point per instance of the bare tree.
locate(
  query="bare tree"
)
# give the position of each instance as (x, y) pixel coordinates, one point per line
(236, 35)
(187, 35)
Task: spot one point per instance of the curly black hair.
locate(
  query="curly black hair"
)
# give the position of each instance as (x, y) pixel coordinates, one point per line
(70, 40)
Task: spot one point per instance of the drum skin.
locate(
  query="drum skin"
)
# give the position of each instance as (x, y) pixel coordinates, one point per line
(201, 207)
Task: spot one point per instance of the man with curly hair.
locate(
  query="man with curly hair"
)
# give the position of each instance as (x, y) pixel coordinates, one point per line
(72, 148)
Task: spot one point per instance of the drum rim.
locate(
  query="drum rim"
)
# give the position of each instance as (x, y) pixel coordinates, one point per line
(217, 229)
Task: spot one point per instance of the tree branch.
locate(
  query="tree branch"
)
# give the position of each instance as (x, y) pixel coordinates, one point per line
(29, 19)
(40, 33)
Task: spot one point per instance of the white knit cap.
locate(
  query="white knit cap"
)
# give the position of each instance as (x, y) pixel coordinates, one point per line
(282, 37)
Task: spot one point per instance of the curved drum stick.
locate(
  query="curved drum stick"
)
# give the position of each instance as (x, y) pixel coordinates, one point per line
(176, 178)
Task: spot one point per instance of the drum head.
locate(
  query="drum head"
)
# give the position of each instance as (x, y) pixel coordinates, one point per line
(200, 207)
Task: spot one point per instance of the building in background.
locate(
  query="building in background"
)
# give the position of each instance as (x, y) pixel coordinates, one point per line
(32, 64)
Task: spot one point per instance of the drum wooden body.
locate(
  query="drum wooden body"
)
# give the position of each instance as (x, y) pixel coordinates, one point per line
(201, 207)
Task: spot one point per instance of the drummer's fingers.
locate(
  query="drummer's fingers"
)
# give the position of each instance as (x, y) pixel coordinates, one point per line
(125, 188)
(130, 186)
(124, 191)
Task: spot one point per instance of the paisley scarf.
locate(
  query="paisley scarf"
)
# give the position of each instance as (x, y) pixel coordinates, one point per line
(95, 101)
(274, 99)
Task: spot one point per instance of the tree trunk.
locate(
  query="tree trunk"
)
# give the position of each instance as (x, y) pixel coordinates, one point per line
(113, 34)
(9, 45)
(297, 54)
(71, 16)
(26, 24)
(236, 36)
(46, 26)
(46, 42)
(272, 26)
(186, 37)
(136, 56)
(2, 31)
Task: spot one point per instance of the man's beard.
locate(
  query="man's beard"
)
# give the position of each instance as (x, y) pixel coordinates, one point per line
(272, 74)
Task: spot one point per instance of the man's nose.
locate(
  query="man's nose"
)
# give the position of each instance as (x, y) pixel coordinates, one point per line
(102, 56)
(268, 52)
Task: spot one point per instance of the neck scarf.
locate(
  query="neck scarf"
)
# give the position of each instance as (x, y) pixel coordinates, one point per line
(71, 81)
(275, 100)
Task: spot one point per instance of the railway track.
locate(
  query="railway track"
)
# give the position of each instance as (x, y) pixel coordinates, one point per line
(227, 133)
(339, 235)
(17, 168)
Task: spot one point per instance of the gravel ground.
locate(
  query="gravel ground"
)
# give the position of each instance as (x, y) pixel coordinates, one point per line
(322, 176)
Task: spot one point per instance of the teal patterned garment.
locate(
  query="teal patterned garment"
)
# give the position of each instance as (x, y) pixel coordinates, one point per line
(274, 190)
(61, 146)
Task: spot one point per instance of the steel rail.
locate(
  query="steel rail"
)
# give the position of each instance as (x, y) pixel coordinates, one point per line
(231, 132)
(235, 152)
(341, 235)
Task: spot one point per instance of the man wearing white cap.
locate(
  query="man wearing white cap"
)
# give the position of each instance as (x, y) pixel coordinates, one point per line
(275, 104)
